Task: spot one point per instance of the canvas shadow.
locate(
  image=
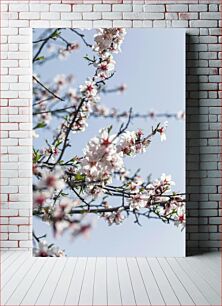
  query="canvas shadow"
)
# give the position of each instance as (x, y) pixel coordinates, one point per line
(194, 189)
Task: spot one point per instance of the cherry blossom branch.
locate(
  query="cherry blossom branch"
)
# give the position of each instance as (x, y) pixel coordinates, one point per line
(37, 238)
(123, 126)
(69, 130)
(42, 249)
(65, 192)
(112, 113)
(83, 100)
(53, 34)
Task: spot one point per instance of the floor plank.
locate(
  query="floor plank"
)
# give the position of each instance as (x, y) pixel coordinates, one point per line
(188, 283)
(39, 282)
(47, 291)
(75, 286)
(113, 286)
(4, 255)
(110, 281)
(181, 293)
(165, 287)
(100, 283)
(211, 260)
(13, 269)
(139, 289)
(62, 287)
(17, 278)
(10, 262)
(152, 288)
(213, 279)
(208, 292)
(19, 292)
(126, 289)
(86, 294)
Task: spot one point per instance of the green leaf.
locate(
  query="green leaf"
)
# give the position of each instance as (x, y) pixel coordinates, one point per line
(40, 58)
(109, 129)
(36, 156)
(58, 142)
(55, 35)
(64, 194)
(40, 125)
(79, 177)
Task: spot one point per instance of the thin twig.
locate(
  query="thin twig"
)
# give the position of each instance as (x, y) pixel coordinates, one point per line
(43, 44)
(49, 91)
(82, 36)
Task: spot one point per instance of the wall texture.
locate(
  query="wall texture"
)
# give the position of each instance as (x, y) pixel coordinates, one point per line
(204, 56)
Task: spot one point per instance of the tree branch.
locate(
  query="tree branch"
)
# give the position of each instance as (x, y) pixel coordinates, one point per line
(48, 90)
(82, 36)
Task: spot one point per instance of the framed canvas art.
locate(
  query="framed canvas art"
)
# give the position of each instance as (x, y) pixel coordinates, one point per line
(109, 142)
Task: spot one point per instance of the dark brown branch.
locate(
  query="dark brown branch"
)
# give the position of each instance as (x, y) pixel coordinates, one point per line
(69, 130)
(48, 90)
(82, 36)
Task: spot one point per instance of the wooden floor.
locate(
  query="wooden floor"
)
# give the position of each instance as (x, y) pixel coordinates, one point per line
(110, 281)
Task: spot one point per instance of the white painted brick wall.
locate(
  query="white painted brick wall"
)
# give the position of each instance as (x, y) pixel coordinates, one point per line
(202, 20)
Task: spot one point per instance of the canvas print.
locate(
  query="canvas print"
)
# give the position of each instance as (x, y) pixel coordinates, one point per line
(109, 142)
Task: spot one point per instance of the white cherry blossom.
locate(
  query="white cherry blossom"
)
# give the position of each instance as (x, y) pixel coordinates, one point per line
(138, 201)
(88, 89)
(40, 198)
(60, 80)
(52, 180)
(44, 250)
(180, 219)
(162, 131)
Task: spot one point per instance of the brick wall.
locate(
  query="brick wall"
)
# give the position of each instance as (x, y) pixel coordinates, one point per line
(202, 20)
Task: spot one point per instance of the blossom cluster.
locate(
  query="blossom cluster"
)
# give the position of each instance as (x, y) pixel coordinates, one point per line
(63, 52)
(88, 95)
(104, 154)
(105, 65)
(42, 249)
(109, 40)
(114, 217)
(42, 108)
(153, 199)
(150, 194)
(101, 158)
(132, 143)
(56, 210)
(48, 184)
(84, 101)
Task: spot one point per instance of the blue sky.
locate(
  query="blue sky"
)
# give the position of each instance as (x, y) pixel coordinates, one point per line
(152, 64)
